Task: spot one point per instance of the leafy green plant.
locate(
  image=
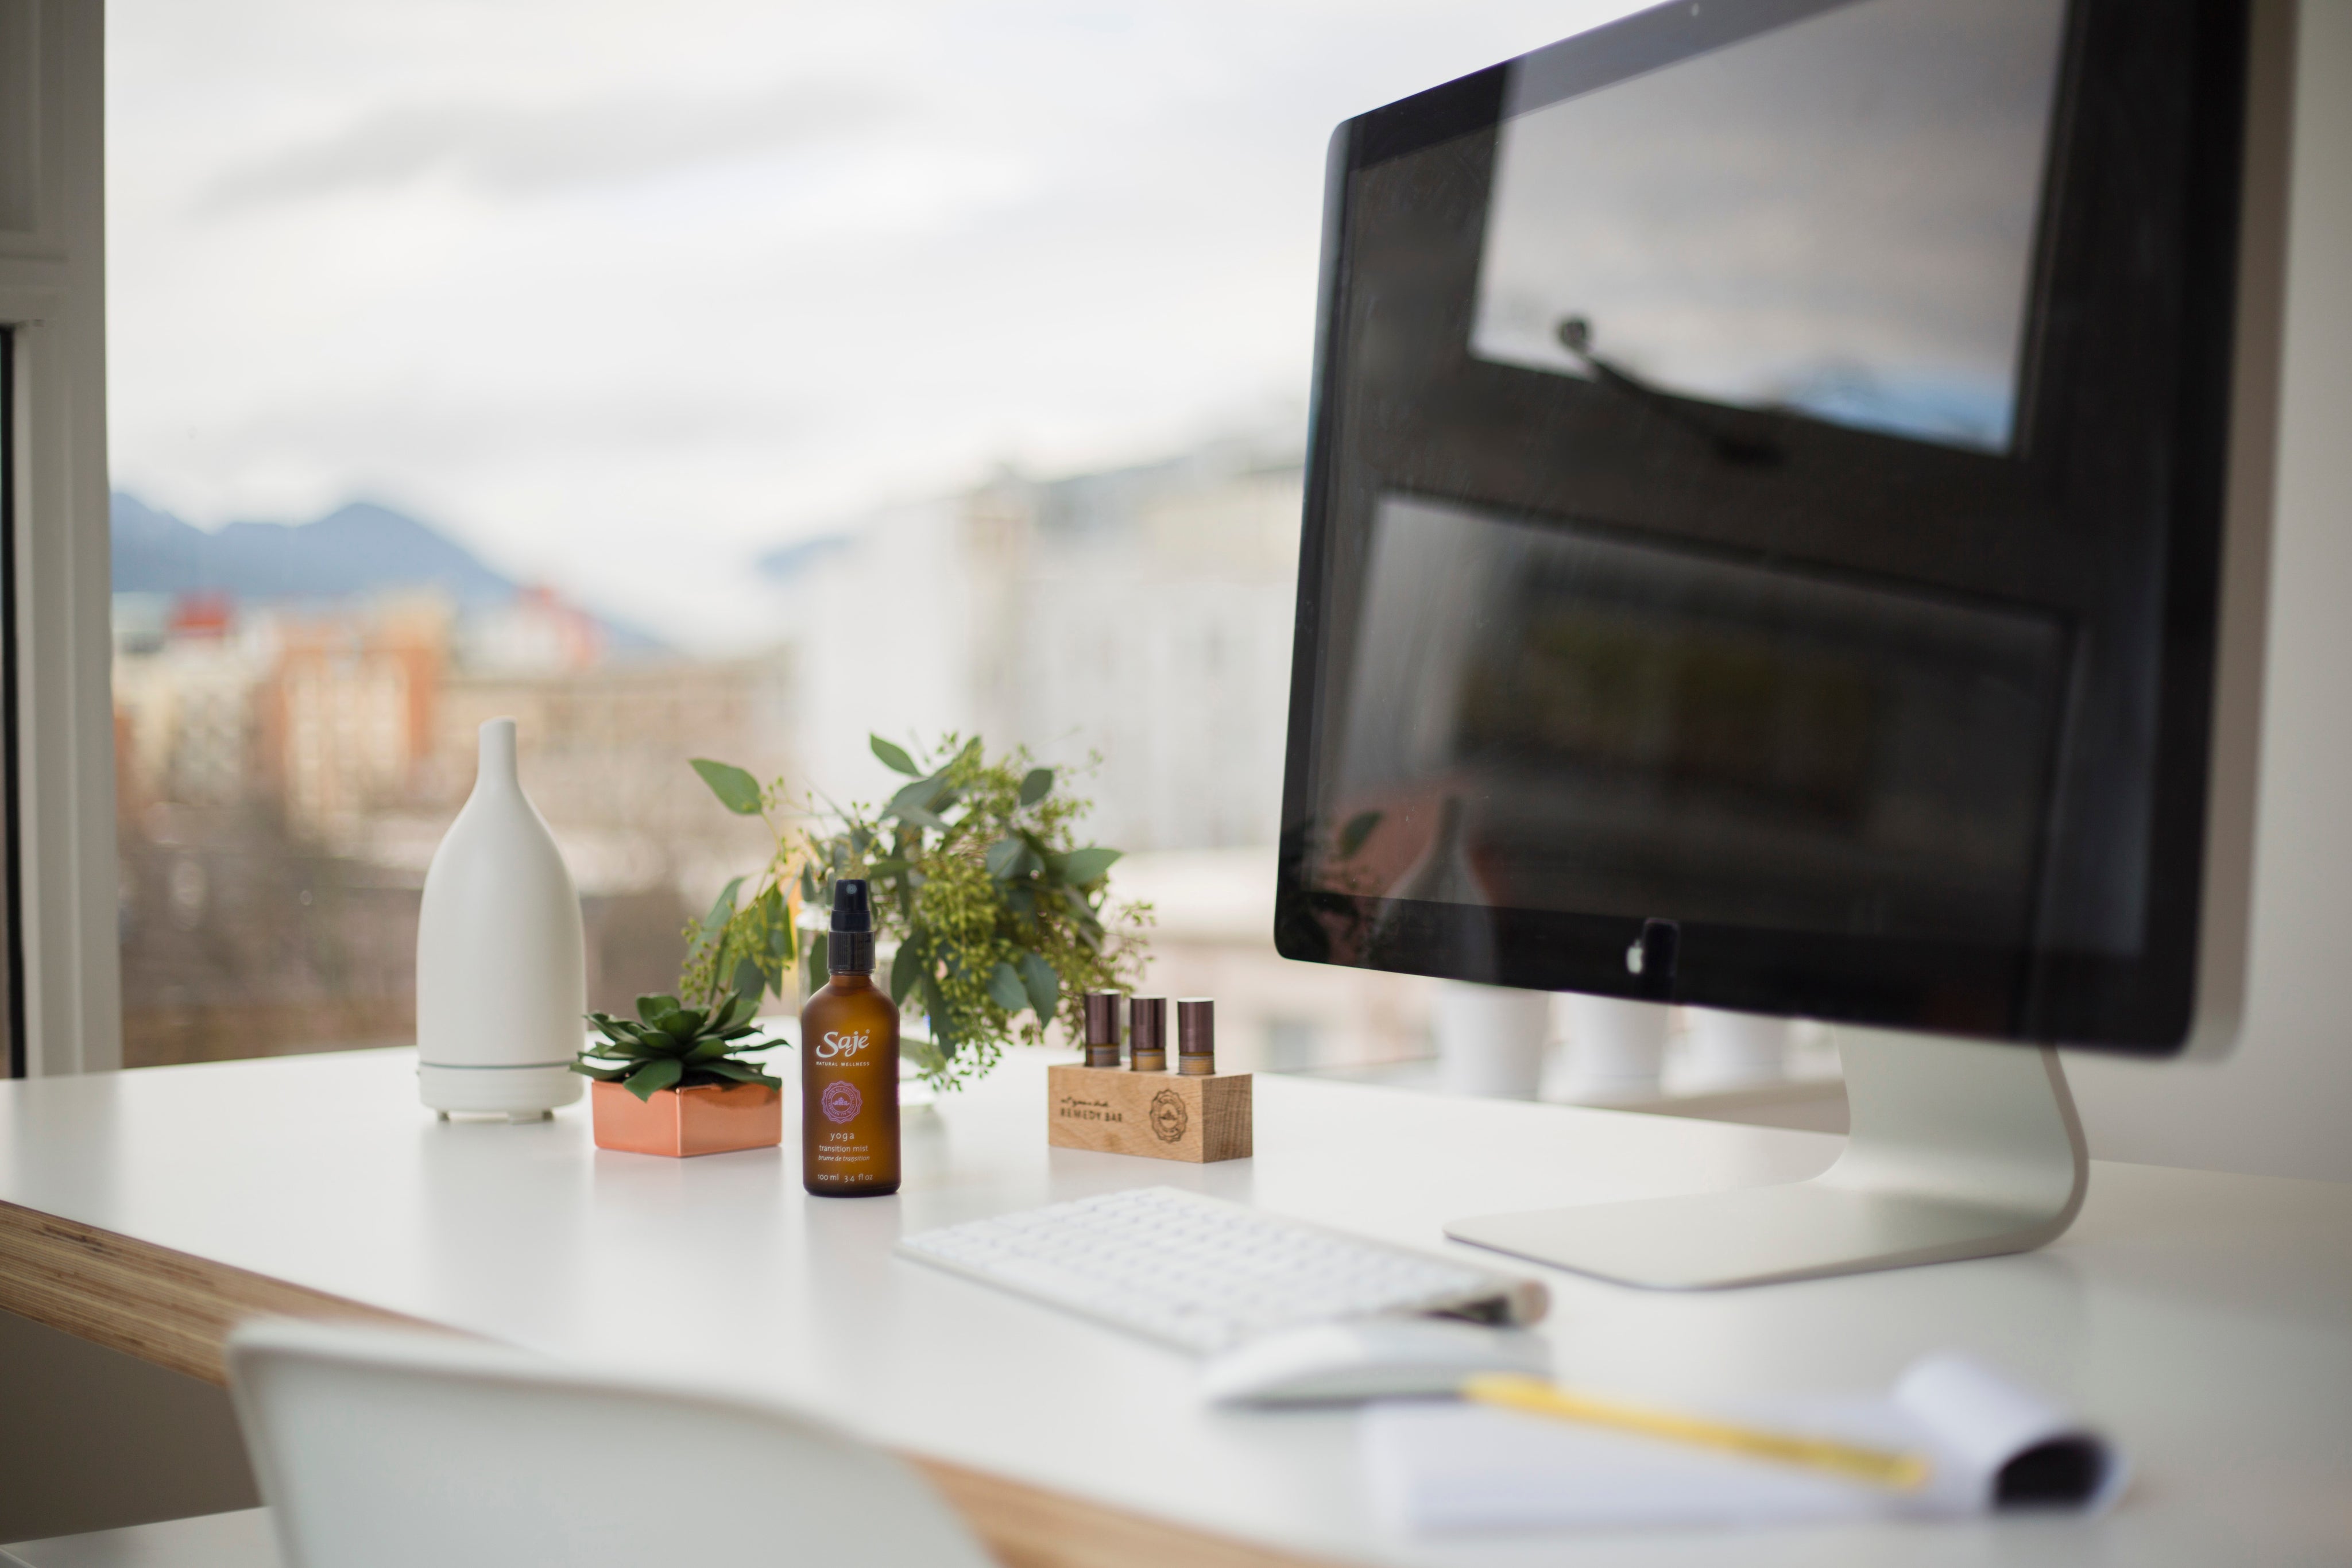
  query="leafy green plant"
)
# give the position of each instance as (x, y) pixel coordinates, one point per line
(1002, 919)
(672, 1046)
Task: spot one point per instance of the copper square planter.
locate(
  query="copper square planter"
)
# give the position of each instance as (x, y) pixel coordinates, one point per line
(706, 1119)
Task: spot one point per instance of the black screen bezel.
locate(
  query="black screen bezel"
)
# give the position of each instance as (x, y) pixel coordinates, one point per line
(2144, 1004)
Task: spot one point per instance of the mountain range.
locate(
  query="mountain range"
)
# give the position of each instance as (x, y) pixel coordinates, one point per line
(357, 549)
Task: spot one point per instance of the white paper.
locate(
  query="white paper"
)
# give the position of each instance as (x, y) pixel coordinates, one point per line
(1442, 1467)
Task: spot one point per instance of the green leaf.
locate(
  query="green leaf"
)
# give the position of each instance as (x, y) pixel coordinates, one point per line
(919, 817)
(1036, 784)
(624, 1050)
(601, 1074)
(1079, 909)
(654, 1076)
(923, 793)
(652, 1008)
(1005, 988)
(940, 1027)
(742, 1072)
(1008, 858)
(681, 1026)
(1018, 899)
(894, 758)
(706, 1051)
(776, 949)
(1360, 828)
(750, 981)
(737, 790)
(808, 886)
(1083, 868)
(722, 911)
(1044, 986)
(907, 965)
(817, 975)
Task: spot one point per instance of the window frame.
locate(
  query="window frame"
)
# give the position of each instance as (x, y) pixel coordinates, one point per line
(66, 1003)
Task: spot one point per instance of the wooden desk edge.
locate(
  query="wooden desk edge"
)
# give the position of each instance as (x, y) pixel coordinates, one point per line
(175, 1310)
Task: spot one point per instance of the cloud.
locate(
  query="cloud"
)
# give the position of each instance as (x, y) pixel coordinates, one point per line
(508, 151)
(716, 271)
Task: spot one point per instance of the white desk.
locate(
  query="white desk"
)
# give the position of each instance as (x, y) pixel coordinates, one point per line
(2207, 1320)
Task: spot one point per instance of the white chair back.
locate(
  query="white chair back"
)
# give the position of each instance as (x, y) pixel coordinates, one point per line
(379, 1450)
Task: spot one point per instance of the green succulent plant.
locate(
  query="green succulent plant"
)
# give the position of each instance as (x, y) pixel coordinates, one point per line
(671, 1046)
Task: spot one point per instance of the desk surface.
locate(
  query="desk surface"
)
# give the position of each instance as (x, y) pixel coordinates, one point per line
(2205, 1320)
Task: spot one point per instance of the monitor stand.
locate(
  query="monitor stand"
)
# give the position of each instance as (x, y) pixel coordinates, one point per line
(1958, 1149)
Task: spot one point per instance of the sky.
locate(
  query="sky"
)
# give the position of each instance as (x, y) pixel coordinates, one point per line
(624, 294)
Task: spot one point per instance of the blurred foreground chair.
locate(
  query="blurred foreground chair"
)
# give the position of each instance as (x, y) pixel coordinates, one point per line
(377, 1449)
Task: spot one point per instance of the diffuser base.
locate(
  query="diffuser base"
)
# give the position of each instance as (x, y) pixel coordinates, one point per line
(501, 1091)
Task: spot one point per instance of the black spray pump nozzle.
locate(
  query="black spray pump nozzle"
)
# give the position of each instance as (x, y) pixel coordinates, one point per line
(850, 947)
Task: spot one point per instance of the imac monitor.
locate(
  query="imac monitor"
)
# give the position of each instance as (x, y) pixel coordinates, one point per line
(1784, 533)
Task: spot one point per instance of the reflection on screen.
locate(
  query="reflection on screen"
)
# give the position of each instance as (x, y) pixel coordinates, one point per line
(1540, 717)
(1835, 218)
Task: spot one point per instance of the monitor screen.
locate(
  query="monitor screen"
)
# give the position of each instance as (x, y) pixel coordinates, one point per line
(1766, 486)
(1835, 217)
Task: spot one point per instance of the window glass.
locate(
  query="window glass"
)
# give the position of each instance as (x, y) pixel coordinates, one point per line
(711, 379)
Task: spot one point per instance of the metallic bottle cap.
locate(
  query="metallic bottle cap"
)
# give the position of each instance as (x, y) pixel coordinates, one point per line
(1148, 1034)
(1196, 1037)
(1102, 1029)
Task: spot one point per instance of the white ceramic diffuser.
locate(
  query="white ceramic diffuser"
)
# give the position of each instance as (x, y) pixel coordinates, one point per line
(501, 986)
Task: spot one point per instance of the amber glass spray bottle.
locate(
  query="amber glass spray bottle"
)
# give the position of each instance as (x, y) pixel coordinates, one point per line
(849, 1064)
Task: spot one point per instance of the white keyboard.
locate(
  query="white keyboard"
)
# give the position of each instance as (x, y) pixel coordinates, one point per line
(1202, 1274)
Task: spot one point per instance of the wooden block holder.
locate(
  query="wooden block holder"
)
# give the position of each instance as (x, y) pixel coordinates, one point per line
(1161, 1115)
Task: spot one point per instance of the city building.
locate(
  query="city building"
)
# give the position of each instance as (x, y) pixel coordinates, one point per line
(1141, 616)
(1134, 625)
(287, 770)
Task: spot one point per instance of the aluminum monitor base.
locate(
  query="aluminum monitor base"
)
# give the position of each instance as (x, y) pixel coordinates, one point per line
(1958, 1149)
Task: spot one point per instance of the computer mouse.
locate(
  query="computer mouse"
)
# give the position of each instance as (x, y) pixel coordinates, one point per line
(1367, 1358)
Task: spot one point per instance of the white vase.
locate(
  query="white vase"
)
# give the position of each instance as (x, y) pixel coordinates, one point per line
(501, 969)
(1616, 1048)
(1490, 1039)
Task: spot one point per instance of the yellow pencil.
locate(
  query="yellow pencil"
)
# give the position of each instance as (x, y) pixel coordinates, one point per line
(1536, 1397)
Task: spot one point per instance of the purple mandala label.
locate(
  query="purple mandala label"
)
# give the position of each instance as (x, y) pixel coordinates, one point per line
(840, 1101)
